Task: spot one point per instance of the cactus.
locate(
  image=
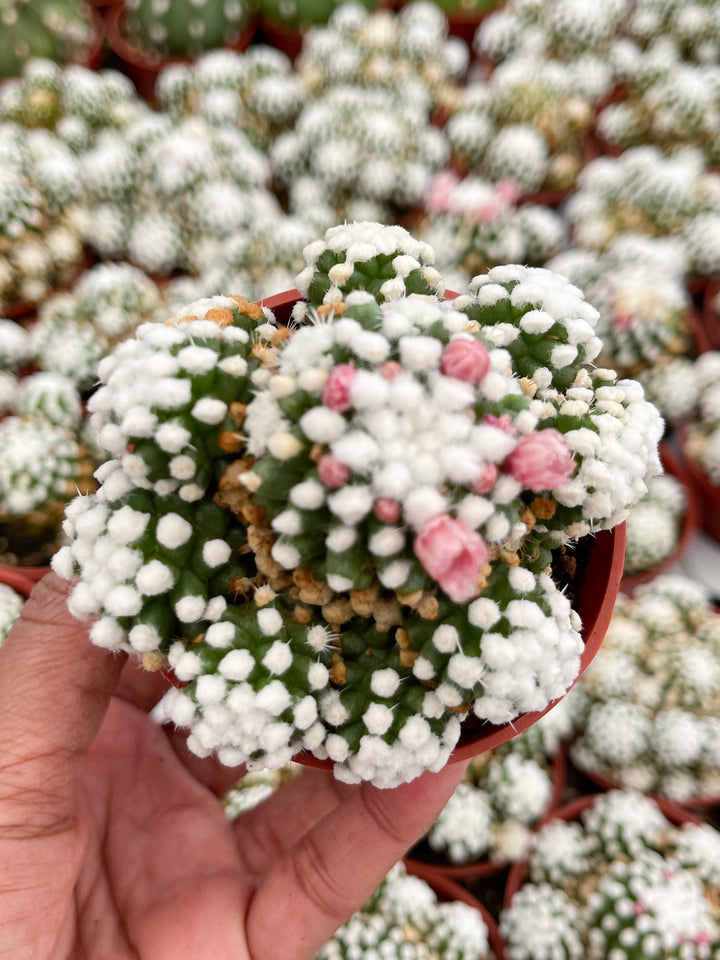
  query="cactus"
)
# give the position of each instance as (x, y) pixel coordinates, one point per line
(692, 27)
(703, 439)
(42, 197)
(11, 604)
(60, 30)
(474, 225)
(403, 919)
(362, 145)
(308, 469)
(654, 524)
(182, 27)
(639, 889)
(408, 52)
(257, 91)
(652, 694)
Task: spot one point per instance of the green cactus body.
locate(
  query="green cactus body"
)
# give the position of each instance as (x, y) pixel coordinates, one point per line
(56, 29)
(182, 27)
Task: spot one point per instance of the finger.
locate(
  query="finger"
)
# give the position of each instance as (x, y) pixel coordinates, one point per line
(265, 834)
(331, 871)
(55, 687)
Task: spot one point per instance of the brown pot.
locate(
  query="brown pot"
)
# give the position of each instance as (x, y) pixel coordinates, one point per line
(596, 595)
(143, 68)
(701, 802)
(447, 889)
(687, 530)
(16, 578)
(710, 316)
(571, 811)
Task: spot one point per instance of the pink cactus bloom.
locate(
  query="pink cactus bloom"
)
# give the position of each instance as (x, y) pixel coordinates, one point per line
(390, 369)
(487, 213)
(466, 360)
(507, 191)
(438, 197)
(336, 393)
(386, 510)
(452, 555)
(623, 321)
(503, 422)
(541, 461)
(485, 480)
(332, 473)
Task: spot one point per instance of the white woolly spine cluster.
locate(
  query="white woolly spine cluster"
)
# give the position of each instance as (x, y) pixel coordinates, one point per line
(703, 441)
(403, 920)
(653, 526)
(652, 694)
(39, 463)
(540, 922)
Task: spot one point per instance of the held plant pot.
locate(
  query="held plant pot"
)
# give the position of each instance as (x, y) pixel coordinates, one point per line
(17, 578)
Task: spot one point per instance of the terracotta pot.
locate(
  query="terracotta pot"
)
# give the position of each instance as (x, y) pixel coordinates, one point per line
(15, 577)
(688, 526)
(706, 493)
(571, 811)
(488, 868)
(446, 889)
(143, 68)
(700, 802)
(596, 594)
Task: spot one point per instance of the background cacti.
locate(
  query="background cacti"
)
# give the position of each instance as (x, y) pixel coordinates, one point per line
(182, 27)
(57, 29)
(654, 524)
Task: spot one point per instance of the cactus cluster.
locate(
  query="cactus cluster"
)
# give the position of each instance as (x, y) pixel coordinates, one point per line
(389, 474)
(183, 27)
(694, 27)
(637, 285)
(60, 30)
(368, 149)
(646, 710)
(503, 795)
(621, 883)
(655, 524)
(404, 920)
(703, 433)
(41, 196)
(256, 91)
(408, 51)
(11, 604)
(643, 191)
(475, 225)
(525, 124)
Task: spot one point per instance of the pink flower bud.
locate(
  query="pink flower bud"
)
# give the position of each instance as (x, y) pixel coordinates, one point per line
(487, 213)
(485, 480)
(466, 360)
(332, 473)
(452, 555)
(507, 191)
(390, 369)
(386, 510)
(440, 193)
(541, 461)
(623, 321)
(503, 422)
(336, 393)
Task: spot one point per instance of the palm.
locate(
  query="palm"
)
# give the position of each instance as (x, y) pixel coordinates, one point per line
(113, 843)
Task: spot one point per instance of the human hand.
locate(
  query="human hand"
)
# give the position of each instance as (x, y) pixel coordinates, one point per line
(113, 842)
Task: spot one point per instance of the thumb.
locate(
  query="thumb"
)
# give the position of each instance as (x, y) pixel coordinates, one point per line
(55, 688)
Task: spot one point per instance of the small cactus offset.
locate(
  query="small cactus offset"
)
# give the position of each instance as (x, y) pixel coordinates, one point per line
(382, 482)
(649, 702)
(404, 920)
(182, 27)
(60, 30)
(639, 888)
(654, 525)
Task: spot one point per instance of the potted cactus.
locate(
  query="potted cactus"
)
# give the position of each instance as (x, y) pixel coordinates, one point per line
(646, 710)
(338, 535)
(406, 917)
(146, 35)
(661, 526)
(615, 876)
(699, 435)
(487, 823)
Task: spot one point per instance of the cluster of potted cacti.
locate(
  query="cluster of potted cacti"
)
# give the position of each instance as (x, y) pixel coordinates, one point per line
(60, 30)
(406, 918)
(616, 876)
(310, 467)
(646, 709)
